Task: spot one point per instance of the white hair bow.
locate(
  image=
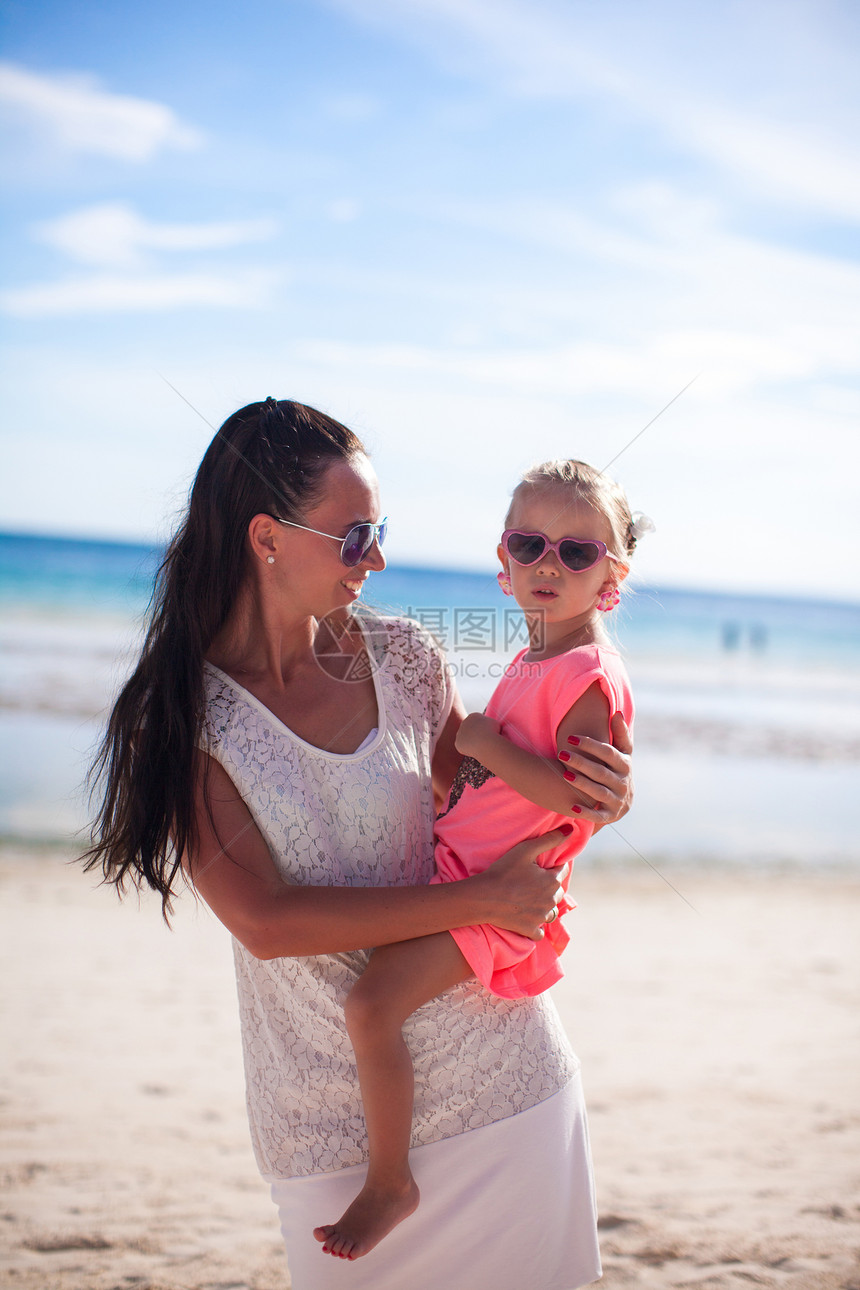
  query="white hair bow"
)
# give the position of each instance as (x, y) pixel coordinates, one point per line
(641, 525)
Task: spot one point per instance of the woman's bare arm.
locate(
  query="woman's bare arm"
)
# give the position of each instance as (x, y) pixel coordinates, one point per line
(234, 873)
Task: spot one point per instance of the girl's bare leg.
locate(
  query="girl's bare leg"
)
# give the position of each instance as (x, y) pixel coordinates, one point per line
(398, 979)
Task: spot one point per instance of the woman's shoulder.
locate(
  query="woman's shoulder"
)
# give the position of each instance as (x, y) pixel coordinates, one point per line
(412, 662)
(219, 697)
(393, 633)
(217, 685)
(219, 688)
(396, 624)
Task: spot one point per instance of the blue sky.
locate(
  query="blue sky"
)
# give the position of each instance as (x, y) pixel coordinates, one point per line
(480, 233)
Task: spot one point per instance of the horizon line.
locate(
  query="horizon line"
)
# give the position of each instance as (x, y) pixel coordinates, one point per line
(406, 565)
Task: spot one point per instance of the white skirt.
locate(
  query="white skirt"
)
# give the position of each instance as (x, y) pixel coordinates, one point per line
(502, 1207)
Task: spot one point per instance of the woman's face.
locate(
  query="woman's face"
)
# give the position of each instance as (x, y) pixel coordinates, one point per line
(318, 580)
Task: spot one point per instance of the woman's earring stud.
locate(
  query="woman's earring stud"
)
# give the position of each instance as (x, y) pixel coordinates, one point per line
(270, 559)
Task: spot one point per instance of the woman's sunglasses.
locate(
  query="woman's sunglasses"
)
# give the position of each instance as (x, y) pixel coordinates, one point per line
(576, 554)
(356, 544)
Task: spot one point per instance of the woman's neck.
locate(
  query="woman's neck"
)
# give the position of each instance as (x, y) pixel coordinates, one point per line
(260, 639)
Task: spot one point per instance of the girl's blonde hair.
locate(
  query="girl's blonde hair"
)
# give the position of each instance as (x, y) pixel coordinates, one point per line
(590, 486)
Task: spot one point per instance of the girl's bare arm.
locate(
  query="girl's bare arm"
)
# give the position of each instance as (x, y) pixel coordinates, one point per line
(563, 786)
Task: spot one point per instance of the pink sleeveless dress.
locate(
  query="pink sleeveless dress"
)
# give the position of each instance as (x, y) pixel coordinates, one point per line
(484, 817)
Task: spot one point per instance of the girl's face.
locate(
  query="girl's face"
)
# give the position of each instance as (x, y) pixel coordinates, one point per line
(563, 599)
(318, 581)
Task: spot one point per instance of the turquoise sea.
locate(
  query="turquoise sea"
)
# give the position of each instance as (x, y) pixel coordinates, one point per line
(748, 726)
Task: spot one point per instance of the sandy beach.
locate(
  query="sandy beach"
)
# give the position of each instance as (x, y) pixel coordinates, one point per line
(720, 1045)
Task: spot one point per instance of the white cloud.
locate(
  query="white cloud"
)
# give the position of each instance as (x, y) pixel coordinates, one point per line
(352, 107)
(113, 235)
(732, 362)
(86, 118)
(764, 94)
(125, 294)
(540, 48)
(652, 276)
(343, 210)
(636, 312)
(780, 160)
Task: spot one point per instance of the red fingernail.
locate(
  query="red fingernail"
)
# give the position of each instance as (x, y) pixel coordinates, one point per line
(566, 829)
(569, 776)
(572, 739)
(565, 756)
(577, 810)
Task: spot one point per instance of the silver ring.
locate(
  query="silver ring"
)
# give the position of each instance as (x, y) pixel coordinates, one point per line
(552, 915)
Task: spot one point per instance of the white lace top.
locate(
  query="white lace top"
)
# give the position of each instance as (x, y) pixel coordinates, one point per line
(363, 819)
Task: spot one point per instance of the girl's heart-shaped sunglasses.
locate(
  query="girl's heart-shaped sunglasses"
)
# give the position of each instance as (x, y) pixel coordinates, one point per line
(576, 554)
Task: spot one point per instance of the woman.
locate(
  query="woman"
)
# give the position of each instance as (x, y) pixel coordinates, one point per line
(285, 754)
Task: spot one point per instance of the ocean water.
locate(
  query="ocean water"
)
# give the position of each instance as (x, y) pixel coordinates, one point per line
(748, 708)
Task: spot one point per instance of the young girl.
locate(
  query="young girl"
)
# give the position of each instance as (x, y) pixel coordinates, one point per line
(566, 547)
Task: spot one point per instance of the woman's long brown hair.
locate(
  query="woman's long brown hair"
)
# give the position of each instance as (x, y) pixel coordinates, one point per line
(267, 458)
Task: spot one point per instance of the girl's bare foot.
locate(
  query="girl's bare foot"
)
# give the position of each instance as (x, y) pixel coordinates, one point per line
(371, 1216)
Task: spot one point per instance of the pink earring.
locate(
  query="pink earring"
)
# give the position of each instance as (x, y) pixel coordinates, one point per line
(608, 599)
(505, 583)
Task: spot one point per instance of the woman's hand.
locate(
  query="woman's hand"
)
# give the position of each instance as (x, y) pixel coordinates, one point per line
(603, 773)
(521, 894)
